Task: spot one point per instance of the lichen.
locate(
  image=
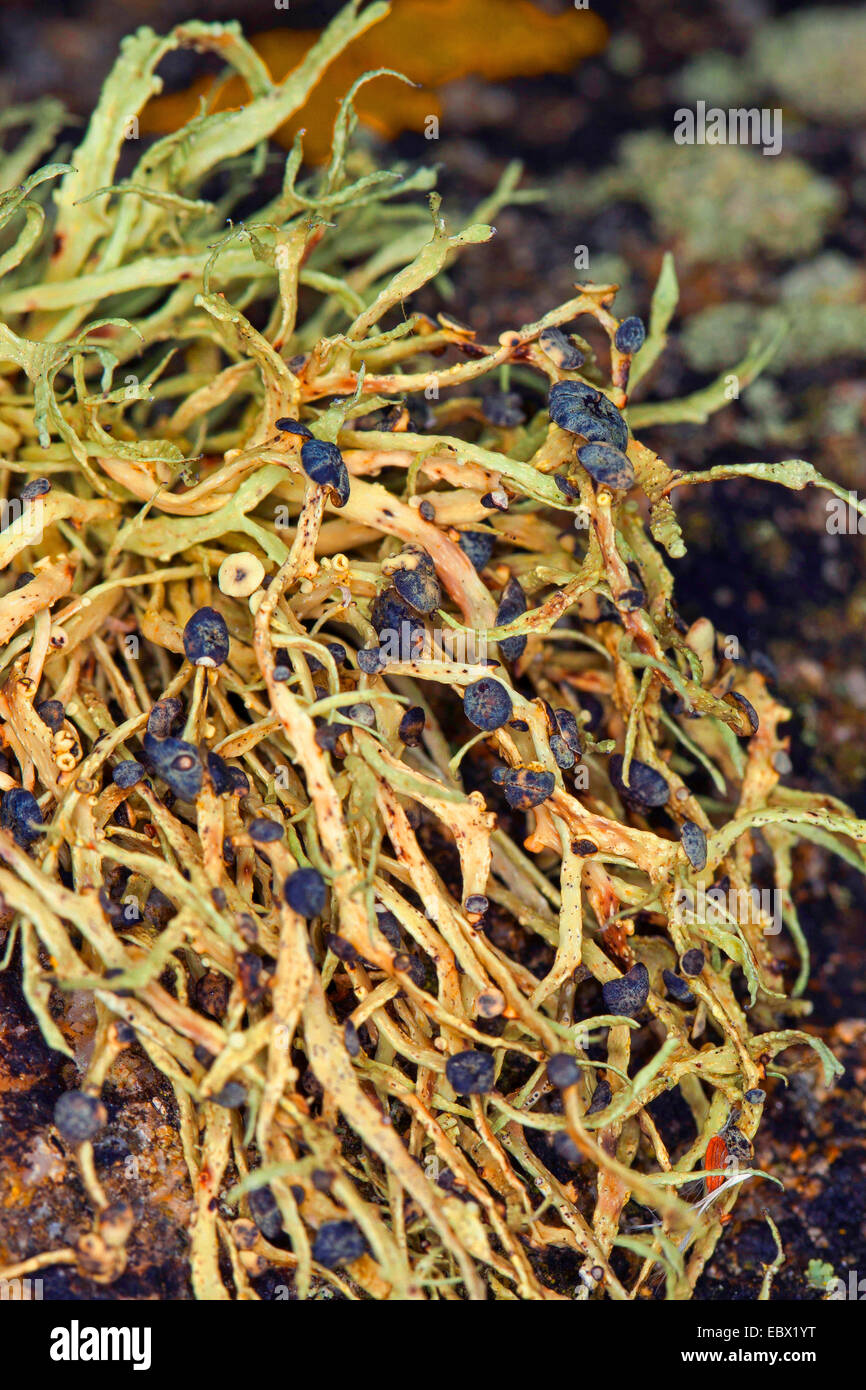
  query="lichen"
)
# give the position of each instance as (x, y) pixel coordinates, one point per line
(820, 303)
(165, 370)
(815, 61)
(721, 203)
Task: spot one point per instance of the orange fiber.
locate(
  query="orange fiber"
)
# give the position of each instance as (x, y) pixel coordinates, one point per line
(717, 1153)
